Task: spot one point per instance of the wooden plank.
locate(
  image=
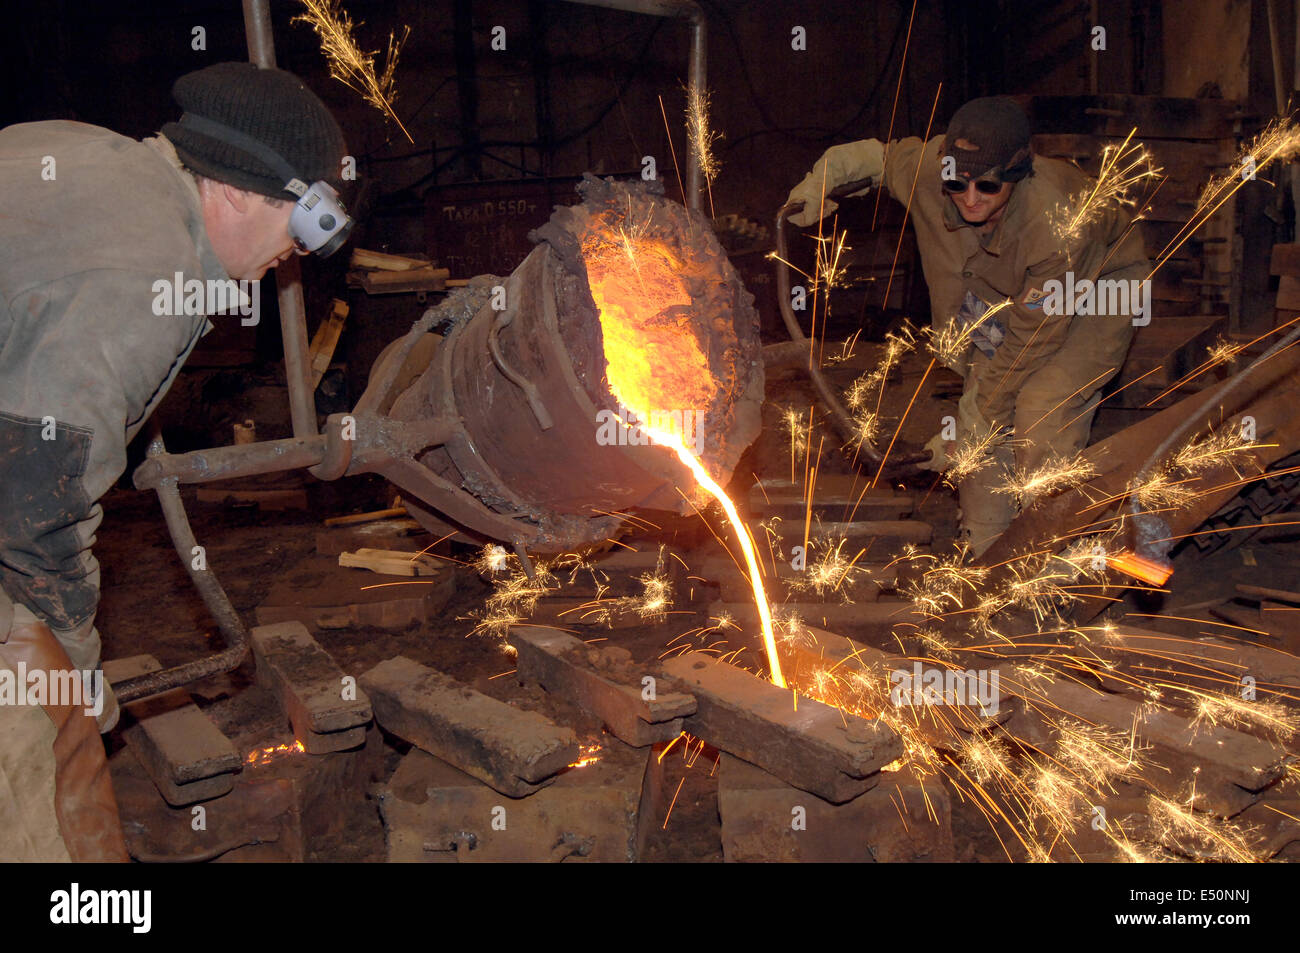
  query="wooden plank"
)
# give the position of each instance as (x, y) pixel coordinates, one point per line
(325, 340)
(391, 562)
(394, 534)
(320, 593)
(366, 517)
(366, 258)
(395, 282)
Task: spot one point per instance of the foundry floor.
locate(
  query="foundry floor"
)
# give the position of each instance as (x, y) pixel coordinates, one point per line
(148, 605)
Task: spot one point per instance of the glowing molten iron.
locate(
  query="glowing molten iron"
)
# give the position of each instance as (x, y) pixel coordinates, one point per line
(651, 362)
(656, 369)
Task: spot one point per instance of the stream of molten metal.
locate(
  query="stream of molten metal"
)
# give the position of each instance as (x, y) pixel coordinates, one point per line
(674, 441)
(654, 362)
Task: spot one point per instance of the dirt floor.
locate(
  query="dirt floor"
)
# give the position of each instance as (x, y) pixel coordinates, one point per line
(149, 606)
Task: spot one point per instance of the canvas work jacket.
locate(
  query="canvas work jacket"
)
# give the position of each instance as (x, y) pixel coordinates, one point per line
(89, 221)
(1015, 260)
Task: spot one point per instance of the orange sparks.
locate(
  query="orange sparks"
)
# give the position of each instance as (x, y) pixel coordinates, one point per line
(587, 754)
(1139, 568)
(674, 802)
(261, 756)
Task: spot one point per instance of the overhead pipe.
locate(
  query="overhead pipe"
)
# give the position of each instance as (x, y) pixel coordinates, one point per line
(288, 276)
(840, 417)
(697, 70)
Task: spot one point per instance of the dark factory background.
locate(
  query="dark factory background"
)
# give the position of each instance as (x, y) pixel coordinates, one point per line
(500, 135)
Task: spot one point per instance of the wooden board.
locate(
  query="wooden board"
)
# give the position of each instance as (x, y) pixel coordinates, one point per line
(366, 258)
(325, 340)
(395, 282)
(390, 562)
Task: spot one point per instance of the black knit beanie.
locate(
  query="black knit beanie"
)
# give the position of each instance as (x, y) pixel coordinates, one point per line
(266, 109)
(989, 137)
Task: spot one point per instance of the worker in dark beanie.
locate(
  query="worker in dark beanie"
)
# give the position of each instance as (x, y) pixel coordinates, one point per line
(270, 106)
(97, 228)
(982, 205)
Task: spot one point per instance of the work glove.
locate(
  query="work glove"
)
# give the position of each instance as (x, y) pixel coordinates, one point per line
(972, 425)
(940, 454)
(838, 166)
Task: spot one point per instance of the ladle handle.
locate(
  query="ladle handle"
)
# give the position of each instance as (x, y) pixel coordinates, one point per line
(530, 392)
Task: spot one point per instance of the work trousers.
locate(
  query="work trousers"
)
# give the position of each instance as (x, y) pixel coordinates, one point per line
(1053, 415)
(56, 797)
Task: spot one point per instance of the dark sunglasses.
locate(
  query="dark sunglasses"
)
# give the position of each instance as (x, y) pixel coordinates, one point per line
(983, 186)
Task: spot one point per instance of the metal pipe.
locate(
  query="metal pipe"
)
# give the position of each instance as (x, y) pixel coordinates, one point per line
(293, 332)
(839, 416)
(697, 78)
(288, 276)
(1275, 51)
(214, 597)
(697, 70)
(222, 463)
(257, 30)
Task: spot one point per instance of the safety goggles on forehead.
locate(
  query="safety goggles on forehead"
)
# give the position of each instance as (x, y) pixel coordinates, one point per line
(319, 223)
(982, 186)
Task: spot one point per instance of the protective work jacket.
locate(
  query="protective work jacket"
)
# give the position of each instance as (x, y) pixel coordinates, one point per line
(1019, 259)
(90, 222)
